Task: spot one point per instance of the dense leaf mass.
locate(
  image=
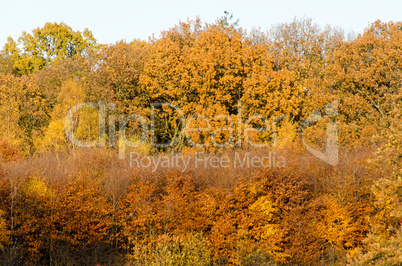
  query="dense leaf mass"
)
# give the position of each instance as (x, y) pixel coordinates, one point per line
(61, 204)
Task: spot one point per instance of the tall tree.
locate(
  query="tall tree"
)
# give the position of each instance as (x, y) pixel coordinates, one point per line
(53, 42)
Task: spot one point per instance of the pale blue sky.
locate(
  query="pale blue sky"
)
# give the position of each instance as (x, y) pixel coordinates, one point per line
(111, 21)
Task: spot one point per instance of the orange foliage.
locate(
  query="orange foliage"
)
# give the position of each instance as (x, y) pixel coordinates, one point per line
(70, 205)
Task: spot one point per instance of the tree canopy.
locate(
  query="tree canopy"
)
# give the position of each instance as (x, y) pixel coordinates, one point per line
(51, 43)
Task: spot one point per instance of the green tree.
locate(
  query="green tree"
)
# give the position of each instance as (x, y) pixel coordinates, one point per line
(54, 42)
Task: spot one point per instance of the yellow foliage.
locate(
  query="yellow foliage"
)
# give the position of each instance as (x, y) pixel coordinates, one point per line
(334, 223)
(266, 207)
(85, 120)
(4, 232)
(37, 187)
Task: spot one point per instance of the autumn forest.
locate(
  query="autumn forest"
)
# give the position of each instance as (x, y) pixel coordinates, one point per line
(205, 145)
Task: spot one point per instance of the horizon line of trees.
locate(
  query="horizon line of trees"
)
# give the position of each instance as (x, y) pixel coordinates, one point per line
(291, 71)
